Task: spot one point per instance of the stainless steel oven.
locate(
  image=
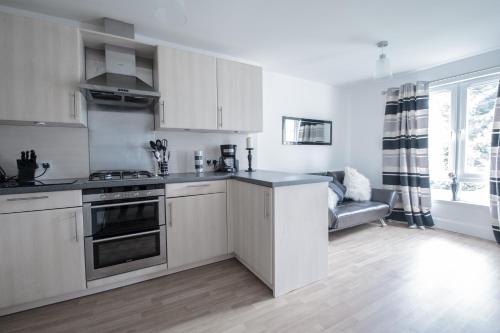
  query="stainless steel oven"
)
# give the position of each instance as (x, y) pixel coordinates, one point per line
(124, 229)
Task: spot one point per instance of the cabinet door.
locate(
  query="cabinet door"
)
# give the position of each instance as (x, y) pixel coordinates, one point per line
(187, 84)
(196, 228)
(251, 220)
(41, 255)
(239, 96)
(40, 68)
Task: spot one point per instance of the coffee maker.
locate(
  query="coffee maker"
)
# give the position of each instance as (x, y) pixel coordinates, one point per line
(228, 161)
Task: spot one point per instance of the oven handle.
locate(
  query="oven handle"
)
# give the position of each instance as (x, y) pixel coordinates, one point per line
(126, 236)
(128, 203)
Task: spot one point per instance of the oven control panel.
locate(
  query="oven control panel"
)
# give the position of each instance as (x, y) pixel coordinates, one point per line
(123, 195)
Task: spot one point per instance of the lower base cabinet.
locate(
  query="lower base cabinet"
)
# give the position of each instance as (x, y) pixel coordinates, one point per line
(196, 229)
(41, 255)
(251, 218)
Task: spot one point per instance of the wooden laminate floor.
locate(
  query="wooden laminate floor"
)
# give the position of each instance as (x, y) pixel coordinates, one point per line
(380, 280)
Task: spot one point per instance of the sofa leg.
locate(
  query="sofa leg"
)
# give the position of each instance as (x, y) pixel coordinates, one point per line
(382, 222)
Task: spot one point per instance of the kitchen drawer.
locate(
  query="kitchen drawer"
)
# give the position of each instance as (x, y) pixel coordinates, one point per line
(25, 202)
(195, 188)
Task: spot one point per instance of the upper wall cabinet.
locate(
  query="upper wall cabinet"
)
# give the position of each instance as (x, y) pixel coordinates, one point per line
(200, 92)
(188, 88)
(40, 68)
(239, 96)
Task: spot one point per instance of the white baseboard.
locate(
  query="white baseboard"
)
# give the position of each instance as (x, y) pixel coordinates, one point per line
(480, 231)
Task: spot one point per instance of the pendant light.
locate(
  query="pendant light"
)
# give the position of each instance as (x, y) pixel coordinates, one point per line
(383, 65)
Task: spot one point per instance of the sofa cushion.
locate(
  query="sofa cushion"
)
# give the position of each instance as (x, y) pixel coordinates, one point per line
(358, 186)
(338, 189)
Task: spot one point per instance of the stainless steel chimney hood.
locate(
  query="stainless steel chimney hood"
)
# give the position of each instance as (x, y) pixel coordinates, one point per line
(119, 85)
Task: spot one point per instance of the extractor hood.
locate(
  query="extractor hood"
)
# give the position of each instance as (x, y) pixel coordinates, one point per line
(119, 85)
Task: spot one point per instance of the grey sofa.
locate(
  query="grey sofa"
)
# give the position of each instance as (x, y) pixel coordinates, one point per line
(351, 213)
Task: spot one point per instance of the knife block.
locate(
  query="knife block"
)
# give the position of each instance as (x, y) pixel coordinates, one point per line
(26, 171)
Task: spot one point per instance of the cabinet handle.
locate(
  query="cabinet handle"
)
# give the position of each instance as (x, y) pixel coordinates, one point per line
(202, 185)
(170, 220)
(28, 198)
(220, 110)
(75, 105)
(76, 228)
(128, 203)
(102, 240)
(162, 112)
(266, 205)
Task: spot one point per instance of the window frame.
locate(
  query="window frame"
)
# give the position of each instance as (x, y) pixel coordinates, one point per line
(458, 118)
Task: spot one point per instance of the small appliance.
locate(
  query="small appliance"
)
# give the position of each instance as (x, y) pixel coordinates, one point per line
(228, 161)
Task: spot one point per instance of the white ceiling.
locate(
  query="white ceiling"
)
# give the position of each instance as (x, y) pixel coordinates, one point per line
(330, 41)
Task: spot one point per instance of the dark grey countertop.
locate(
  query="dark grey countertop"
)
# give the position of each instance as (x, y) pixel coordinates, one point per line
(260, 177)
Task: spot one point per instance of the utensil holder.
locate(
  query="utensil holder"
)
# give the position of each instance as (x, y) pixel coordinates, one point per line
(163, 167)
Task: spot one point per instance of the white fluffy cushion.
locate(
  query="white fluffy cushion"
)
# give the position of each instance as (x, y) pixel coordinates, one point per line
(333, 198)
(358, 186)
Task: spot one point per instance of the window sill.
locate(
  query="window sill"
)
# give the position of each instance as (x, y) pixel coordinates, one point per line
(466, 203)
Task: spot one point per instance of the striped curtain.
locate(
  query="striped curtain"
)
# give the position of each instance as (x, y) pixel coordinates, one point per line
(495, 170)
(405, 153)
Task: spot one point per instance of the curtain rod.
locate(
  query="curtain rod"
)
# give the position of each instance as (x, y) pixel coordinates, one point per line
(459, 76)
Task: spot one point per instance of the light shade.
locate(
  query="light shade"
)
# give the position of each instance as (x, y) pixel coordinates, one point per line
(382, 67)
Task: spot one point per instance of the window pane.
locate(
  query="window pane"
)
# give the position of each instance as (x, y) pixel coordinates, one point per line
(440, 146)
(475, 192)
(480, 105)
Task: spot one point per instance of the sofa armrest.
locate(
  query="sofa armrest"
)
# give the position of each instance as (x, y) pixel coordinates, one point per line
(386, 196)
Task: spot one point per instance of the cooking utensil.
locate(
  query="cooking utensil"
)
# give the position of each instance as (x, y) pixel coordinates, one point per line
(156, 154)
(158, 144)
(153, 145)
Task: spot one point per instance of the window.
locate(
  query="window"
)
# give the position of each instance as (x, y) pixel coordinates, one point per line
(460, 121)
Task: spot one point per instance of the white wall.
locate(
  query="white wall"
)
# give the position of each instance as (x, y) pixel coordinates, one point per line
(366, 130)
(289, 96)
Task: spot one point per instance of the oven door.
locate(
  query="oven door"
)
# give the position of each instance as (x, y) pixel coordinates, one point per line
(115, 255)
(121, 217)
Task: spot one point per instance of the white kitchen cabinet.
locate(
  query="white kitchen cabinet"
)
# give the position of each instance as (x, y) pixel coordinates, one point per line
(41, 65)
(188, 87)
(196, 229)
(41, 255)
(239, 96)
(250, 212)
(200, 92)
(280, 233)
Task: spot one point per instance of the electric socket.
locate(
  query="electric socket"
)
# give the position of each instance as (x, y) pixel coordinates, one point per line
(45, 165)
